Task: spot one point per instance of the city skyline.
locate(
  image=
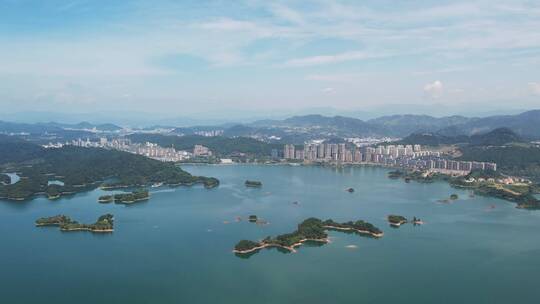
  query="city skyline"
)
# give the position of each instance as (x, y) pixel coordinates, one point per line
(83, 56)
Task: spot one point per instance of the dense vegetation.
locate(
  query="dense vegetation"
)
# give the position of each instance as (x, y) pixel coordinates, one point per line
(310, 229)
(81, 169)
(517, 160)
(128, 198)
(358, 226)
(397, 219)
(496, 137)
(103, 224)
(419, 176)
(220, 145)
(254, 184)
(13, 150)
(245, 245)
(56, 220)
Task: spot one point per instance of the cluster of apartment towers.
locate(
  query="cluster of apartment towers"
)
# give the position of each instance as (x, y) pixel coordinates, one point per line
(411, 156)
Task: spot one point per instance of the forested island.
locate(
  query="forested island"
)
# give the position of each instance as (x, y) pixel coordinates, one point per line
(396, 220)
(82, 169)
(311, 229)
(126, 198)
(253, 184)
(105, 223)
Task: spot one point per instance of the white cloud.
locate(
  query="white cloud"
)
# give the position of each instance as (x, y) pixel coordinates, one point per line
(434, 89)
(329, 59)
(535, 87)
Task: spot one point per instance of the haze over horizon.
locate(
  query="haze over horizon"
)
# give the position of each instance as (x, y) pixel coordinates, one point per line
(221, 58)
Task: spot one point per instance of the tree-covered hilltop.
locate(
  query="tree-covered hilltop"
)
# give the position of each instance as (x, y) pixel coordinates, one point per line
(245, 245)
(516, 160)
(82, 169)
(103, 224)
(128, 198)
(495, 137)
(396, 220)
(311, 229)
(14, 150)
(219, 145)
(358, 226)
(56, 220)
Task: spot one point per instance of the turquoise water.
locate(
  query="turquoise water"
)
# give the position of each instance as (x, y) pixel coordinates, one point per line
(176, 247)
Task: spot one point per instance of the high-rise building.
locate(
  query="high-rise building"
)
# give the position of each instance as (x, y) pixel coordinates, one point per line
(357, 156)
(320, 151)
(288, 152)
(341, 152)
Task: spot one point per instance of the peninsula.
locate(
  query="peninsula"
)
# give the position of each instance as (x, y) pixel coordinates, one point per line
(481, 182)
(82, 169)
(311, 229)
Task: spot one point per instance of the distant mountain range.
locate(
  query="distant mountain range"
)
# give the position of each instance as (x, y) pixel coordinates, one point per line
(298, 129)
(53, 127)
(526, 125)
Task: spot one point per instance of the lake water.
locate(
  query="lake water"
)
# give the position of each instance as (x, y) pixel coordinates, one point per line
(176, 247)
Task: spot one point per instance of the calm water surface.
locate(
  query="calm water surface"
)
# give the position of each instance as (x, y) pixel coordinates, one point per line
(176, 247)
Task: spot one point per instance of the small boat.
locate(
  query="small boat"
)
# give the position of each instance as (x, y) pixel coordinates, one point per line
(350, 190)
(156, 185)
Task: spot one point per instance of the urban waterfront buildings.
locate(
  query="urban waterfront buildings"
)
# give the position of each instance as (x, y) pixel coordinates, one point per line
(405, 156)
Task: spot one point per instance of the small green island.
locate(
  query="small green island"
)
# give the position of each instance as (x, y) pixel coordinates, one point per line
(396, 220)
(253, 184)
(310, 230)
(102, 225)
(125, 198)
(454, 197)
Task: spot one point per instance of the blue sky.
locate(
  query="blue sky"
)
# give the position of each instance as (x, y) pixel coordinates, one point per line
(191, 57)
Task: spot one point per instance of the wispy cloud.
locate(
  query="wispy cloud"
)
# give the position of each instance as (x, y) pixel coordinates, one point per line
(275, 43)
(434, 89)
(330, 59)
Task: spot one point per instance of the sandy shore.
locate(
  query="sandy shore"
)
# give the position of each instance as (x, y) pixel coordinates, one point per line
(377, 235)
(290, 248)
(397, 224)
(87, 229)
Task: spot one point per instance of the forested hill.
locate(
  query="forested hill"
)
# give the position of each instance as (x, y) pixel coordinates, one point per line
(497, 137)
(81, 169)
(14, 149)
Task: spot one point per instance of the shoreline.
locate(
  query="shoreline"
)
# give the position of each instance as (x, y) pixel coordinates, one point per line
(87, 229)
(377, 235)
(398, 224)
(290, 248)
